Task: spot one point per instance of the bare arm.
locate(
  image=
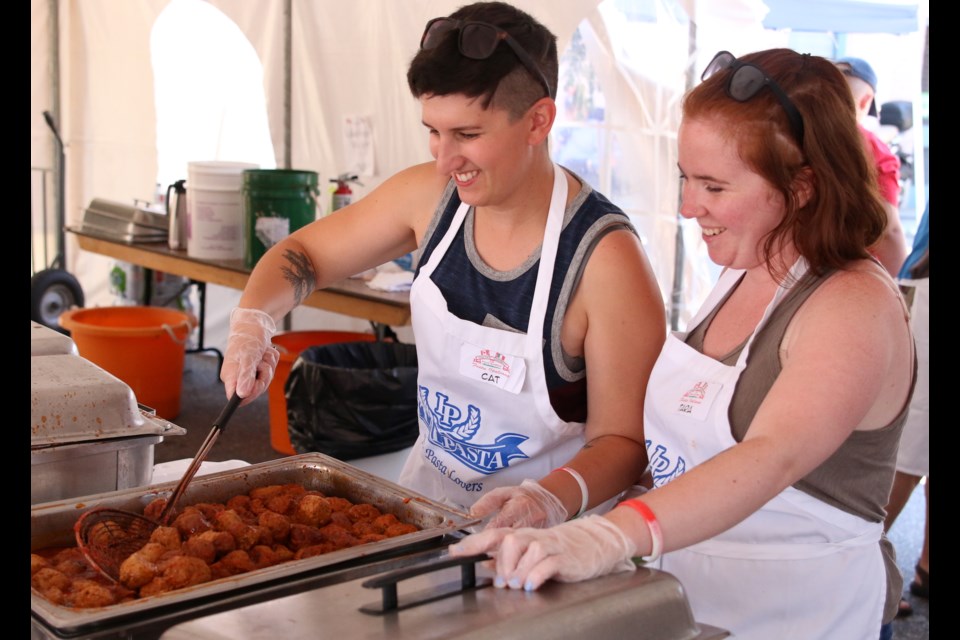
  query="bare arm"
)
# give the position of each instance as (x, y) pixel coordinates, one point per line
(619, 311)
(891, 248)
(852, 329)
(385, 224)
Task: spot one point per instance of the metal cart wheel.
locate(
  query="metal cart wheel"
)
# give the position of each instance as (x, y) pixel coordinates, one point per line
(53, 291)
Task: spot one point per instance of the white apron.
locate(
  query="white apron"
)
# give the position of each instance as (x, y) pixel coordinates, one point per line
(484, 411)
(913, 456)
(797, 569)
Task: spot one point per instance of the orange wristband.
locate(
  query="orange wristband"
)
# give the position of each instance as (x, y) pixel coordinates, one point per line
(656, 535)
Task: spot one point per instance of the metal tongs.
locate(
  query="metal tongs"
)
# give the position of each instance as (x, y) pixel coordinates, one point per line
(107, 536)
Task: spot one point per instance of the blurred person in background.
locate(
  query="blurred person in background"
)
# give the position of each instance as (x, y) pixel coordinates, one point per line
(891, 249)
(532, 300)
(772, 424)
(913, 458)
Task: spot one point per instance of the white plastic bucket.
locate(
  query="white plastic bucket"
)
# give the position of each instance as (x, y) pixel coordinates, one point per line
(215, 209)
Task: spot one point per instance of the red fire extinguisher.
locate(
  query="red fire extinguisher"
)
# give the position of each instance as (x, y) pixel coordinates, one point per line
(343, 195)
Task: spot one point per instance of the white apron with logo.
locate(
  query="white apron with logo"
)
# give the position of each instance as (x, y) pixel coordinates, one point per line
(797, 569)
(484, 411)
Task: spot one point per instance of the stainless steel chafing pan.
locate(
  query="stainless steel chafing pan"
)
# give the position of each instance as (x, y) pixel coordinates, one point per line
(51, 524)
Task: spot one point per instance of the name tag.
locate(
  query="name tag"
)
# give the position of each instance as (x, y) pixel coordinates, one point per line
(697, 400)
(492, 368)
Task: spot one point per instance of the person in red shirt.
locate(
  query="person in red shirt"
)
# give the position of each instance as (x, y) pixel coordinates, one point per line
(891, 249)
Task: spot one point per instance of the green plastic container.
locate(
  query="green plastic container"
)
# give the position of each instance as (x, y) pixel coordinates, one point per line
(276, 202)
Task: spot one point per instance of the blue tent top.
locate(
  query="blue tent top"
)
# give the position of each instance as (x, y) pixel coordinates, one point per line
(842, 16)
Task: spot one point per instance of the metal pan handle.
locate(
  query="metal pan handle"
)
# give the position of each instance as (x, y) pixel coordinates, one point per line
(387, 583)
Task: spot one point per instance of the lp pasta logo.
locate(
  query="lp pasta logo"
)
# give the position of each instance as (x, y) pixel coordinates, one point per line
(452, 431)
(662, 467)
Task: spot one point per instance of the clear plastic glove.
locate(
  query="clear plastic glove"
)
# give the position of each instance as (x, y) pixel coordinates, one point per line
(588, 547)
(251, 359)
(527, 505)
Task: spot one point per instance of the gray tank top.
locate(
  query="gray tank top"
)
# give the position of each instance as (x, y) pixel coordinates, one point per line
(858, 477)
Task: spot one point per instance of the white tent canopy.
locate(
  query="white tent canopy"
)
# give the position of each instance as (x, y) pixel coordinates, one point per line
(95, 67)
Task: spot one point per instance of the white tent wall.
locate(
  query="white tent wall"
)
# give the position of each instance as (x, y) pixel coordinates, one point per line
(349, 59)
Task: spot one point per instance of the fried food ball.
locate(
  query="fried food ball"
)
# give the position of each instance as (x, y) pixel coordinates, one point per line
(276, 524)
(341, 519)
(282, 552)
(72, 562)
(209, 509)
(139, 569)
(314, 550)
(399, 529)
(49, 578)
(191, 522)
(282, 503)
(362, 528)
(371, 537)
(231, 522)
(152, 551)
(240, 504)
(198, 547)
(338, 536)
(183, 571)
(88, 593)
(37, 562)
(381, 523)
(155, 587)
(233, 563)
(155, 508)
(222, 541)
(313, 511)
(303, 536)
(265, 556)
(266, 492)
(286, 500)
(339, 504)
(363, 512)
(169, 537)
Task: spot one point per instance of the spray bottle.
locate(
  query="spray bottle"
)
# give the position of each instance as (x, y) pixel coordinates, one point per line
(343, 195)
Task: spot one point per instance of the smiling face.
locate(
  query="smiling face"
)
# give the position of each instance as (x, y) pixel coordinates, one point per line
(735, 207)
(486, 154)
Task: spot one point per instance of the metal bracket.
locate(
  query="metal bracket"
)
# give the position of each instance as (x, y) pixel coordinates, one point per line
(387, 582)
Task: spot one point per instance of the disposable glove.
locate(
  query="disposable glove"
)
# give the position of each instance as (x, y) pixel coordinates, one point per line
(527, 505)
(588, 547)
(251, 359)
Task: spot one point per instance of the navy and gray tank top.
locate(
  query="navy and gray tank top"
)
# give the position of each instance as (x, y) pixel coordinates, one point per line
(502, 299)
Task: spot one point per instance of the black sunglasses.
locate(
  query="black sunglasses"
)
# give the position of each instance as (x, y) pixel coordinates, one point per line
(746, 80)
(478, 41)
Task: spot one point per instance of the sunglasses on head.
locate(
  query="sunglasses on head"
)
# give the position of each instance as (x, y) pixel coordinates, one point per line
(746, 80)
(478, 41)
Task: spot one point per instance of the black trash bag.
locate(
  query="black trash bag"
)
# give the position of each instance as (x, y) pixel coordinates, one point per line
(353, 399)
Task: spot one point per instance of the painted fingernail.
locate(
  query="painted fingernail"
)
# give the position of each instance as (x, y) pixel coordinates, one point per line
(514, 583)
(528, 586)
(499, 583)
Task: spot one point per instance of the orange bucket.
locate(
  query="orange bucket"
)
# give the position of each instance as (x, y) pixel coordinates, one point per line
(143, 346)
(290, 344)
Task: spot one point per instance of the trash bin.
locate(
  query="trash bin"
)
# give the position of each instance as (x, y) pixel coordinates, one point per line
(353, 399)
(290, 344)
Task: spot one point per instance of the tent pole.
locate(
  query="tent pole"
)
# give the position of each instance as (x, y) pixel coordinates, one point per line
(676, 295)
(287, 82)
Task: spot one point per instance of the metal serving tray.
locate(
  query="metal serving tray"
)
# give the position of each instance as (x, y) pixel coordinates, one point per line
(74, 400)
(51, 525)
(106, 210)
(44, 341)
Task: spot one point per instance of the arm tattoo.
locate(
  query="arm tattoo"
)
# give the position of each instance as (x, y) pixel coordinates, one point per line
(300, 275)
